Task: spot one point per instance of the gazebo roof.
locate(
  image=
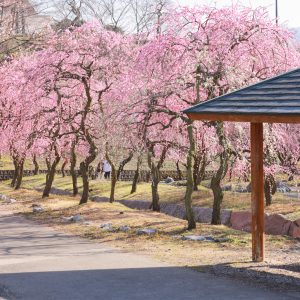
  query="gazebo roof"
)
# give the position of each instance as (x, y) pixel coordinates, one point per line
(275, 100)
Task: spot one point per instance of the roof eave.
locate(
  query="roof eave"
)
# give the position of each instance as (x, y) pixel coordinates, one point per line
(252, 118)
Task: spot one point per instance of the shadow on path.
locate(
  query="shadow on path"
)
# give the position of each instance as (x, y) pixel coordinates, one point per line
(167, 283)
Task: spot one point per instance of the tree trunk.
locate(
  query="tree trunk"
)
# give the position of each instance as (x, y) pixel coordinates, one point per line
(136, 175)
(123, 164)
(190, 179)
(199, 166)
(91, 172)
(20, 174)
(51, 174)
(148, 176)
(113, 179)
(16, 172)
(195, 172)
(73, 170)
(269, 188)
(219, 175)
(191, 184)
(154, 188)
(36, 165)
(48, 164)
(218, 198)
(201, 173)
(156, 175)
(63, 168)
(179, 173)
(84, 170)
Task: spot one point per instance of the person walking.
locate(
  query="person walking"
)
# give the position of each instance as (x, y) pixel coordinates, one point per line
(106, 169)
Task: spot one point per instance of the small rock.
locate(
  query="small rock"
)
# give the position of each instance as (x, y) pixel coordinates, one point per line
(179, 183)
(37, 209)
(5, 198)
(148, 231)
(35, 205)
(277, 224)
(107, 227)
(194, 237)
(283, 187)
(177, 237)
(124, 228)
(200, 238)
(241, 189)
(169, 180)
(209, 239)
(10, 200)
(227, 187)
(76, 218)
(68, 219)
(294, 230)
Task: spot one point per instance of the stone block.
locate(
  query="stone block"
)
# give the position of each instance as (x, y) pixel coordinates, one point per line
(297, 222)
(294, 230)
(241, 220)
(277, 224)
(147, 231)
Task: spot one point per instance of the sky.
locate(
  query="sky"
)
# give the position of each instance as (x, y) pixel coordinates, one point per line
(289, 10)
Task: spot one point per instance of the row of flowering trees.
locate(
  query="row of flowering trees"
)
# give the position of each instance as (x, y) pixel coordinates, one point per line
(92, 93)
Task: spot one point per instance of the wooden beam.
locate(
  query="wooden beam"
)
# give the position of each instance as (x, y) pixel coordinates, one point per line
(253, 118)
(257, 195)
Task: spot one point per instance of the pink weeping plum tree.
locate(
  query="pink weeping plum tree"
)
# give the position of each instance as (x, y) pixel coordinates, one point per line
(90, 92)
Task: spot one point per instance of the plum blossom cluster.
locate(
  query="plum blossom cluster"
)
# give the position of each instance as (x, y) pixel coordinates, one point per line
(92, 94)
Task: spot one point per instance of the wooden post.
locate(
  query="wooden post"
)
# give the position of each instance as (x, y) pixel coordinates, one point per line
(257, 196)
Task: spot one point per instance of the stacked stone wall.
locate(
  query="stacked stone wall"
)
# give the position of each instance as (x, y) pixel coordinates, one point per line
(126, 175)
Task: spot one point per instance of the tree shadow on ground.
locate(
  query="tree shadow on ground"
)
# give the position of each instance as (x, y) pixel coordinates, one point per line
(168, 283)
(261, 274)
(289, 267)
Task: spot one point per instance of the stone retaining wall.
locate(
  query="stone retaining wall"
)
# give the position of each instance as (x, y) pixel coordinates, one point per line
(275, 224)
(126, 175)
(202, 214)
(8, 174)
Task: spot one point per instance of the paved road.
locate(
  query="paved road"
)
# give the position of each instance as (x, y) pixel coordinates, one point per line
(39, 263)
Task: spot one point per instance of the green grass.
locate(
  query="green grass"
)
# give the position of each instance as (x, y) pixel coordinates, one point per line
(172, 194)
(7, 164)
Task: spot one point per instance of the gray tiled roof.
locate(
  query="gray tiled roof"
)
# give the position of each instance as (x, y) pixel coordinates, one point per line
(276, 96)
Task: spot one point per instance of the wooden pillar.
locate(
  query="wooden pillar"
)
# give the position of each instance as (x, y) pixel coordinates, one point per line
(257, 196)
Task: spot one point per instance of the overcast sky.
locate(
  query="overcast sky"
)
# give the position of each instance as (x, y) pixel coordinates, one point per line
(289, 10)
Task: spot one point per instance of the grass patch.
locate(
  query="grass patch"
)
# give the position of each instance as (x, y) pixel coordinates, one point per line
(172, 194)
